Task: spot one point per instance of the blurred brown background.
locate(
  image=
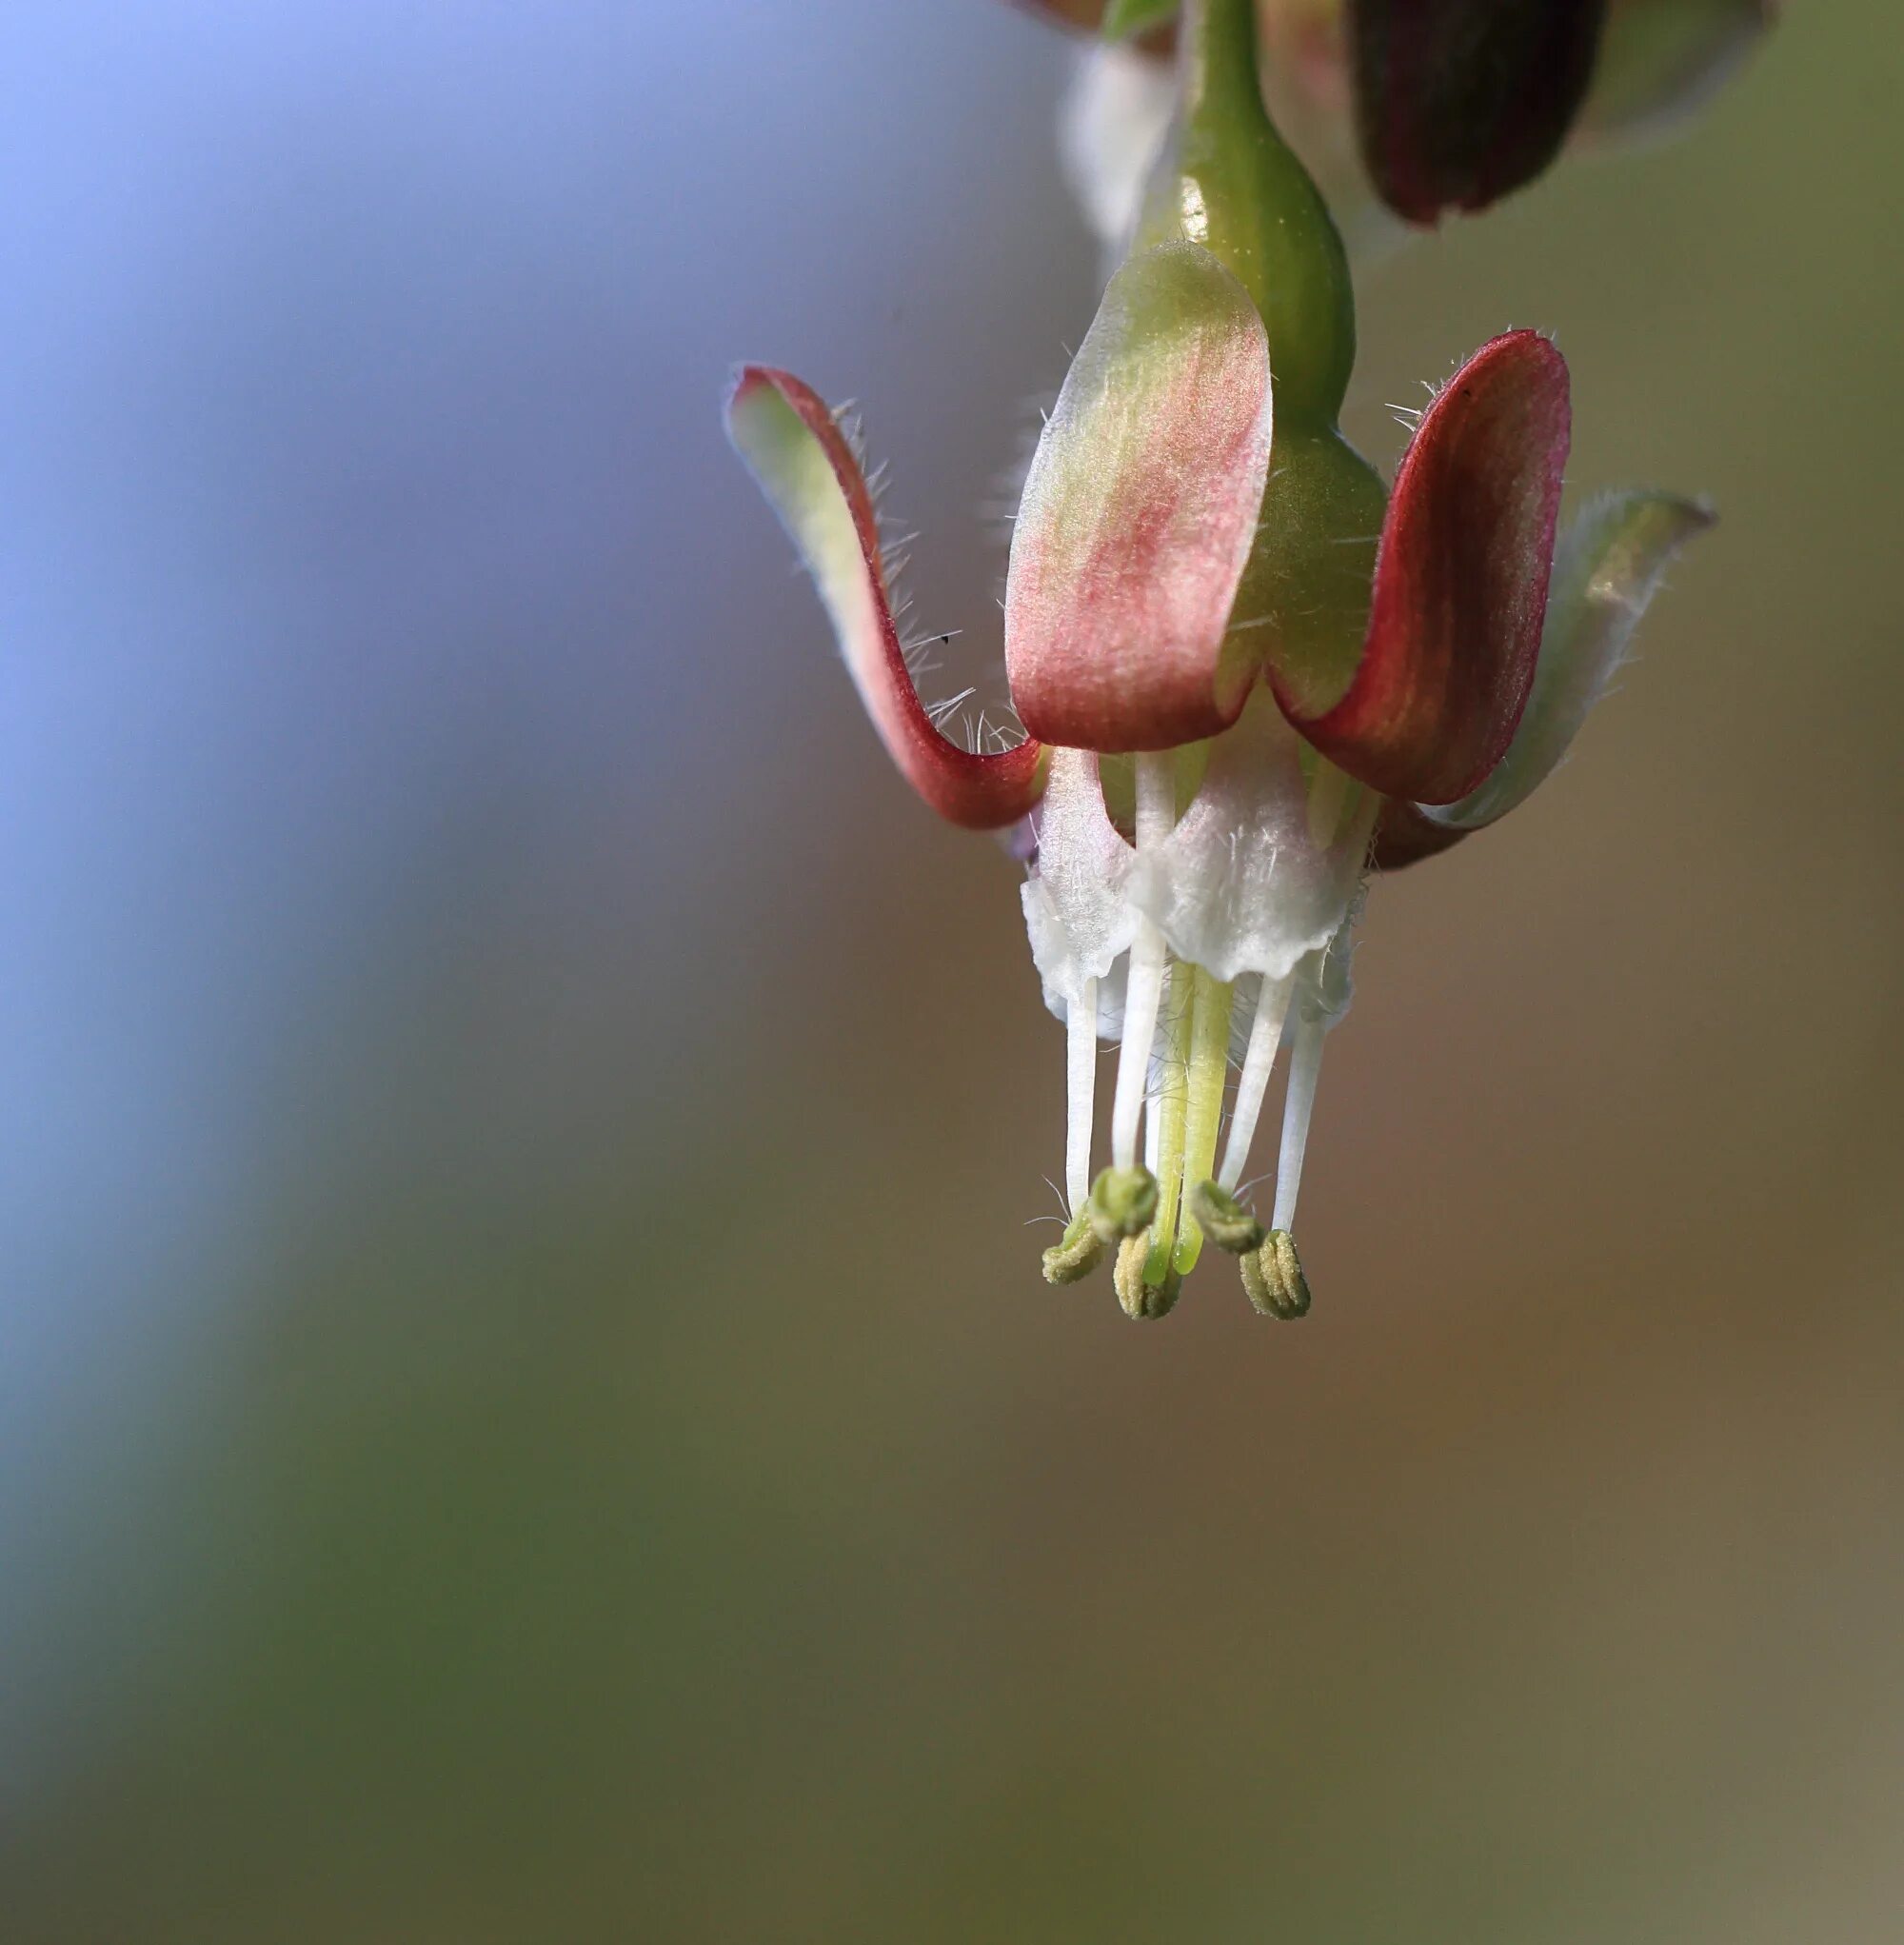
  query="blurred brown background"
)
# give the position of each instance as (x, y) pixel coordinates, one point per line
(529, 1410)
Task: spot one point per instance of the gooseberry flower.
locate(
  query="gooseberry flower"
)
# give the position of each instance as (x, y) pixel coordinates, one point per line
(1403, 109)
(1240, 664)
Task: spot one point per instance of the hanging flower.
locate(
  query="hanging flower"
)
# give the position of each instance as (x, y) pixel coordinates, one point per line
(1240, 663)
(1403, 109)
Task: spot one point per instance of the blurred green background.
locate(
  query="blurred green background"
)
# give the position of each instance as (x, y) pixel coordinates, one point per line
(527, 1409)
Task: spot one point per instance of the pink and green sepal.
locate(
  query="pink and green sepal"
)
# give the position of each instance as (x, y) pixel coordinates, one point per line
(805, 466)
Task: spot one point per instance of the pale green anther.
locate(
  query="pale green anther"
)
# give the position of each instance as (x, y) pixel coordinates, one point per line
(1141, 1300)
(1209, 1067)
(1122, 1204)
(1273, 1278)
(1224, 1220)
(1077, 1254)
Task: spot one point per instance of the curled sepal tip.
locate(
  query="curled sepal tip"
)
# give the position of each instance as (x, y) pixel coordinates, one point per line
(1405, 834)
(1122, 1204)
(1076, 1254)
(1144, 1301)
(1606, 572)
(803, 462)
(1611, 562)
(1659, 60)
(1138, 514)
(1273, 1278)
(1460, 583)
(1224, 1220)
(1459, 102)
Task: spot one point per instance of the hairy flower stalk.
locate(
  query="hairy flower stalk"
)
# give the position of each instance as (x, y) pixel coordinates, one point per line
(1244, 664)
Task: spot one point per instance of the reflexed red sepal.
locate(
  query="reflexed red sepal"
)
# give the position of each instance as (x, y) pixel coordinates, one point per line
(1607, 568)
(789, 438)
(1461, 582)
(1459, 102)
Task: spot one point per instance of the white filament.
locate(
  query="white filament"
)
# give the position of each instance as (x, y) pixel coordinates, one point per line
(1156, 813)
(1080, 1085)
(1265, 1037)
(1298, 1104)
(1142, 994)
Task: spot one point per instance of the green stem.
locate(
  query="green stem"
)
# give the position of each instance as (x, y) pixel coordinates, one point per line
(1239, 189)
(1234, 185)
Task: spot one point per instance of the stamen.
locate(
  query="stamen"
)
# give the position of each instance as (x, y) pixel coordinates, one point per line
(1143, 989)
(1122, 1203)
(1080, 1086)
(1224, 1220)
(1073, 1259)
(1209, 1069)
(1140, 1299)
(1265, 1037)
(1273, 1278)
(1298, 1104)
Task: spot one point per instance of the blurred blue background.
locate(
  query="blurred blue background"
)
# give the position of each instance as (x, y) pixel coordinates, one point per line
(527, 1407)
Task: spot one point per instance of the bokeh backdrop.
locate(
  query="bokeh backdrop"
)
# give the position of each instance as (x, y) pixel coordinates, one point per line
(527, 1409)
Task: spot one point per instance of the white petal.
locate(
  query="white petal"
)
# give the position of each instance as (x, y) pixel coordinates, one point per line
(1248, 882)
(1078, 912)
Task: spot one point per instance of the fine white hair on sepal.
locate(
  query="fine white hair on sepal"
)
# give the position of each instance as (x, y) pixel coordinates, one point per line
(852, 429)
(940, 711)
(918, 654)
(952, 715)
(999, 509)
